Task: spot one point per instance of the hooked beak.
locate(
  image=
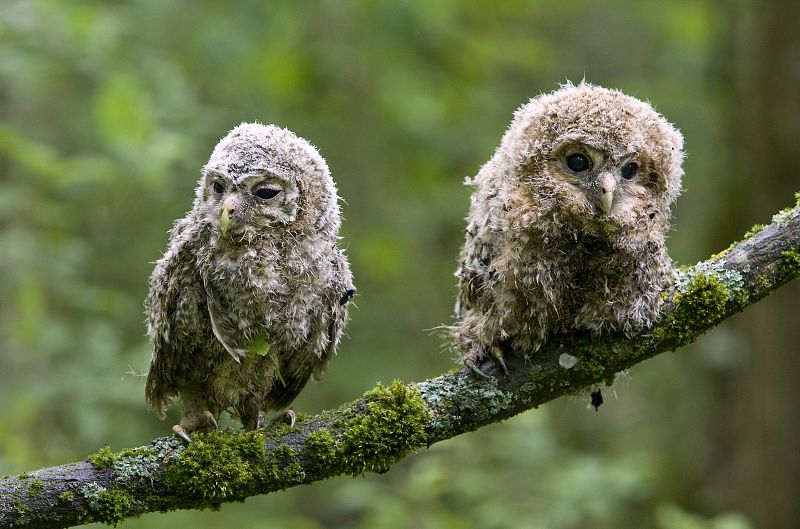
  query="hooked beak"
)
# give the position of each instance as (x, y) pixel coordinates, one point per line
(229, 207)
(607, 187)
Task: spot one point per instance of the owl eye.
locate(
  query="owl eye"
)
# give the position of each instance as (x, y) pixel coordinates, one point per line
(578, 163)
(630, 170)
(217, 187)
(267, 192)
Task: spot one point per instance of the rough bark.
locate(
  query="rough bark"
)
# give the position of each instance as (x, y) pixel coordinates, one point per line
(388, 423)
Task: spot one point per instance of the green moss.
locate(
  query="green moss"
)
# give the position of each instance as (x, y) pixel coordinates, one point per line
(391, 425)
(281, 466)
(66, 497)
(790, 262)
(723, 253)
(757, 228)
(107, 506)
(595, 359)
(223, 466)
(542, 382)
(763, 282)
(704, 301)
(35, 487)
(103, 458)
(217, 466)
(320, 448)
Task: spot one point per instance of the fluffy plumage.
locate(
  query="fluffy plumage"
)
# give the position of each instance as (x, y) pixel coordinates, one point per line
(567, 223)
(250, 298)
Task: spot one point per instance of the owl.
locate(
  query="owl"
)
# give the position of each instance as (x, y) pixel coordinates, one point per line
(250, 298)
(567, 224)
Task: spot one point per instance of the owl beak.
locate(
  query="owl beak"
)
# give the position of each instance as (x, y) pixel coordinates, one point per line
(607, 187)
(229, 207)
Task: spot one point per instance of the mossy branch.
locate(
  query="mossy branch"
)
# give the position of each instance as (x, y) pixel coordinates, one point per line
(388, 423)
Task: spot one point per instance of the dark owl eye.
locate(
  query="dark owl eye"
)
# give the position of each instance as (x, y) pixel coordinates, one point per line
(218, 187)
(267, 192)
(630, 170)
(578, 163)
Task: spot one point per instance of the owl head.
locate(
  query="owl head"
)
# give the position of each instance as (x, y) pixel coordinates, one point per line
(262, 179)
(594, 154)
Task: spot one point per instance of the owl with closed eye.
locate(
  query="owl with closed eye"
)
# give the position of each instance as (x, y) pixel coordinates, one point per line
(567, 224)
(250, 298)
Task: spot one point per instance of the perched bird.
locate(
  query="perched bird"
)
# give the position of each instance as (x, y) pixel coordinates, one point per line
(250, 298)
(567, 224)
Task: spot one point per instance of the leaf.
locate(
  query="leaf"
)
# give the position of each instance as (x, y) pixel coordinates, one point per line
(260, 346)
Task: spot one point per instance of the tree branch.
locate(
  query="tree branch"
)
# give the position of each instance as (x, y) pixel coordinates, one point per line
(388, 423)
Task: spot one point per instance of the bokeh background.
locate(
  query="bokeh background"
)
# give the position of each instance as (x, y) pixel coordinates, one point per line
(108, 109)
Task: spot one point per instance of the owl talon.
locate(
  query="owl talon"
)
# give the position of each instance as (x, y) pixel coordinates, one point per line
(210, 418)
(474, 367)
(497, 355)
(180, 432)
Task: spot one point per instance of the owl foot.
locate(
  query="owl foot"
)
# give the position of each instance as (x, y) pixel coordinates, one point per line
(180, 432)
(204, 422)
(470, 363)
(494, 352)
(287, 417)
(497, 355)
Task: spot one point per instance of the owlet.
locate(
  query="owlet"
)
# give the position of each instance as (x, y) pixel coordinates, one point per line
(567, 224)
(250, 299)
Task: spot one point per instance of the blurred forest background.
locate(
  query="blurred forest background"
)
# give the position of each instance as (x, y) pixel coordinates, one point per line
(108, 109)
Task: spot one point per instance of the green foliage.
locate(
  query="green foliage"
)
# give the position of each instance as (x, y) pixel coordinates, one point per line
(108, 111)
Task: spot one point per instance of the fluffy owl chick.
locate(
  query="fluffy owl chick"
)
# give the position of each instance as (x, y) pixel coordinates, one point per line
(250, 298)
(567, 223)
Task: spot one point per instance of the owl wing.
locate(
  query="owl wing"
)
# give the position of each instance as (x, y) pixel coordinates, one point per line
(224, 328)
(476, 258)
(343, 291)
(340, 293)
(172, 307)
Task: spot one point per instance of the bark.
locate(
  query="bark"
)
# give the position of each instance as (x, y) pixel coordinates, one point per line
(388, 423)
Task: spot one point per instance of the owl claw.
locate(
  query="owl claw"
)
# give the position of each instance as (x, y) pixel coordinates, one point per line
(203, 421)
(180, 432)
(470, 363)
(210, 418)
(497, 355)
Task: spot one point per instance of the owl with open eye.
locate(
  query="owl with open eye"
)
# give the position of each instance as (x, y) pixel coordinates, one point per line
(567, 224)
(250, 299)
